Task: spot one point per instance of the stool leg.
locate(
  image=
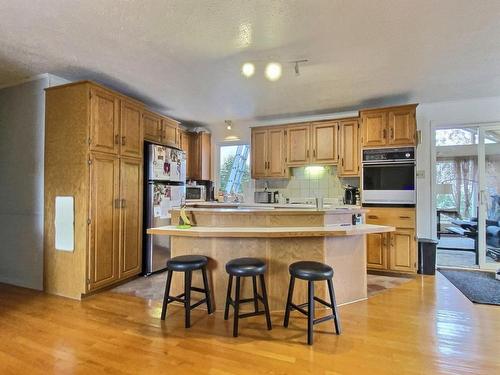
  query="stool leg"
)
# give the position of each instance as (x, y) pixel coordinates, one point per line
(310, 312)
(334, 307)
(266, 303)
(236, 307)
(289, 301)
(228, 297)
(167, 295)
(255, 299)
(207, 290)
(187, 298)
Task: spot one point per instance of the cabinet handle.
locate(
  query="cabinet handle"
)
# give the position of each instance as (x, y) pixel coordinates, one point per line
(392, 133)
(392, 241)
(384, 242)
(314, 153)
(372, 217)
(123, 204)
(342, 161)
(117, 139)
(384, 132)
(117, 203)
(123, 140)
(404, 217)
(307, 153)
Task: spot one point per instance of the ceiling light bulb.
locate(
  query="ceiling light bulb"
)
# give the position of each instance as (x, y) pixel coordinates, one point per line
(248, 69)
(229, 124)
(273, 71)
(228, 127)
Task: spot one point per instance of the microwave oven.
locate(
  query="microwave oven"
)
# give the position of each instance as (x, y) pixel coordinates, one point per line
(196, 193)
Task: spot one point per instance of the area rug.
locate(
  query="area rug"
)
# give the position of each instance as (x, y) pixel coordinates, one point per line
(478, 286)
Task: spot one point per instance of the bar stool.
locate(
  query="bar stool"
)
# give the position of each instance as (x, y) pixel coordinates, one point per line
(246, 267)
(187, 264)
(311, 272)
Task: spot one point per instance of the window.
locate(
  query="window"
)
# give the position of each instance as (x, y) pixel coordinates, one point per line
(234, 167)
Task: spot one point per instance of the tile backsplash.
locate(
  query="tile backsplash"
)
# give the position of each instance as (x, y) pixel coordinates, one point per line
(309, 182)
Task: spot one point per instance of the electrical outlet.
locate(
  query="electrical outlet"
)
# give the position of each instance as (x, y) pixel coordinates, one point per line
(421, 173)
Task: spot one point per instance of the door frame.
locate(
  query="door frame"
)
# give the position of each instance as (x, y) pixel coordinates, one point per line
(482, 126)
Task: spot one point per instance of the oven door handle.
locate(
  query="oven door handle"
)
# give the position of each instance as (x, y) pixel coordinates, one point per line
(387, 164)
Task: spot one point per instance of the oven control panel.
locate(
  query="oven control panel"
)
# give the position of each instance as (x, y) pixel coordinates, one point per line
(389, 154)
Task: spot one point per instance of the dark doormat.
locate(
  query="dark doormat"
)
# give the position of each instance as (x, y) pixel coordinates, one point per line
(478, 286)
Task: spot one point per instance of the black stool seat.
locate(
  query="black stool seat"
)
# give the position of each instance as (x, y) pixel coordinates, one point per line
(187, 263)
(311, 271)
(245, 267)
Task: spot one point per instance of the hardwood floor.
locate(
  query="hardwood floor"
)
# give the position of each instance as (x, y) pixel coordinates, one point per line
(424, 326)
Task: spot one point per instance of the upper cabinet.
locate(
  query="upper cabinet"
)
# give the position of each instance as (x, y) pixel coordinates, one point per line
(268, 152)
(131, 139)
(298, 145)
(200, 156)
(152, 127)
(104, 124)
(394, 126)
(324, 143)
(170, 133)
(349, 152)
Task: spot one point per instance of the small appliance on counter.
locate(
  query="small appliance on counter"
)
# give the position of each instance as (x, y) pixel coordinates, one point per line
(263, 197)
(200, 191)
(351, 194)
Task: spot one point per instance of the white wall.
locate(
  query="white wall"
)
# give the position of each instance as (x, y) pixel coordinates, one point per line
(22, 111)
(472, 111)
(22, 134)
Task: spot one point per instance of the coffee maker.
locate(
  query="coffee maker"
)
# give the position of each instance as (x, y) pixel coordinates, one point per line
(350, 194)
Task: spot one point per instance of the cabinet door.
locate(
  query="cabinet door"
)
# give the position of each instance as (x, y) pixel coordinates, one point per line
(130, 217)
(376, 250)
(104, 221)
(185, 141)
(298, 145)
(104, 125)
(374, 129)
(402, 127)
(170, 133)
(402, 250)
(258, 150)
(131, 141)
(324, 142)
(349, 148)
(152, 127)
(205, 156)
(276, 153)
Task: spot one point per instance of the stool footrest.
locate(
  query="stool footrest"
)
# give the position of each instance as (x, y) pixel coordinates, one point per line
(323, 302)
(324, 319)
(299, 308)
(198, 303)
(248, 315)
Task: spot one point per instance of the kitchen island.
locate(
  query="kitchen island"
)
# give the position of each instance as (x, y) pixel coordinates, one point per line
(280, 236)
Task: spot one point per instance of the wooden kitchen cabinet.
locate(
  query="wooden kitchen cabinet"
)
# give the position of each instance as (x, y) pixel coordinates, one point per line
(103, 132)
(376, 250)
(402, 255)
(200, 156)
(349, 153)
(152, 127)
(185, 142)
(324, 142)
(130, 217)
(268, 152)
(298, 145)
(402, 127)
(394, 126)
(104, 123)
(170, 132)
(259, 151)
(104, 227)
(131, 130)
(393, 251)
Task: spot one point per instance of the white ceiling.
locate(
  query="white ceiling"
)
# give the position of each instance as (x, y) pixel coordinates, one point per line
(183, 57)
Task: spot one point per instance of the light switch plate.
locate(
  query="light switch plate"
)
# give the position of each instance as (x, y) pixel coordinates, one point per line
(421, 173)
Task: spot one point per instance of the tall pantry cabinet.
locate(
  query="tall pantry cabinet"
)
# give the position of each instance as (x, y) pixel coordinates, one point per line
(93, 153)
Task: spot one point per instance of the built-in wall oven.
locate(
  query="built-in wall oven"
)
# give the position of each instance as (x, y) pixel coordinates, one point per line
(388, 176)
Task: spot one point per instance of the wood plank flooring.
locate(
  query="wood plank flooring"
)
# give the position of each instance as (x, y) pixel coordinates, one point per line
(424, 326)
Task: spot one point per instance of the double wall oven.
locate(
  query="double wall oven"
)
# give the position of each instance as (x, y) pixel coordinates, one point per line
(388, 177)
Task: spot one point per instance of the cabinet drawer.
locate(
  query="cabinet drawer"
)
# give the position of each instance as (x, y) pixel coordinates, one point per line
(397, 217)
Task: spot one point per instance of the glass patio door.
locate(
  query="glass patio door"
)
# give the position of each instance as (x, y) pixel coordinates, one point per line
(489, 197)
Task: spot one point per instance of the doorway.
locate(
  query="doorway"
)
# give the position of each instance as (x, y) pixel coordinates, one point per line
(466, 189)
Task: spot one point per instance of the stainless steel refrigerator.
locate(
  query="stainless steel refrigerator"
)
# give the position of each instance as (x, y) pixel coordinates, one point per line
(165, 180)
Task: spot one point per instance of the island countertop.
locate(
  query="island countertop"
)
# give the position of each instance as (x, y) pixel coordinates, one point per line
(277, 210)
(271, 232)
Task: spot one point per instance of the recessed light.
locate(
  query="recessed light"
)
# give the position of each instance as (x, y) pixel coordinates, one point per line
(273, 71)
(248, 69)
